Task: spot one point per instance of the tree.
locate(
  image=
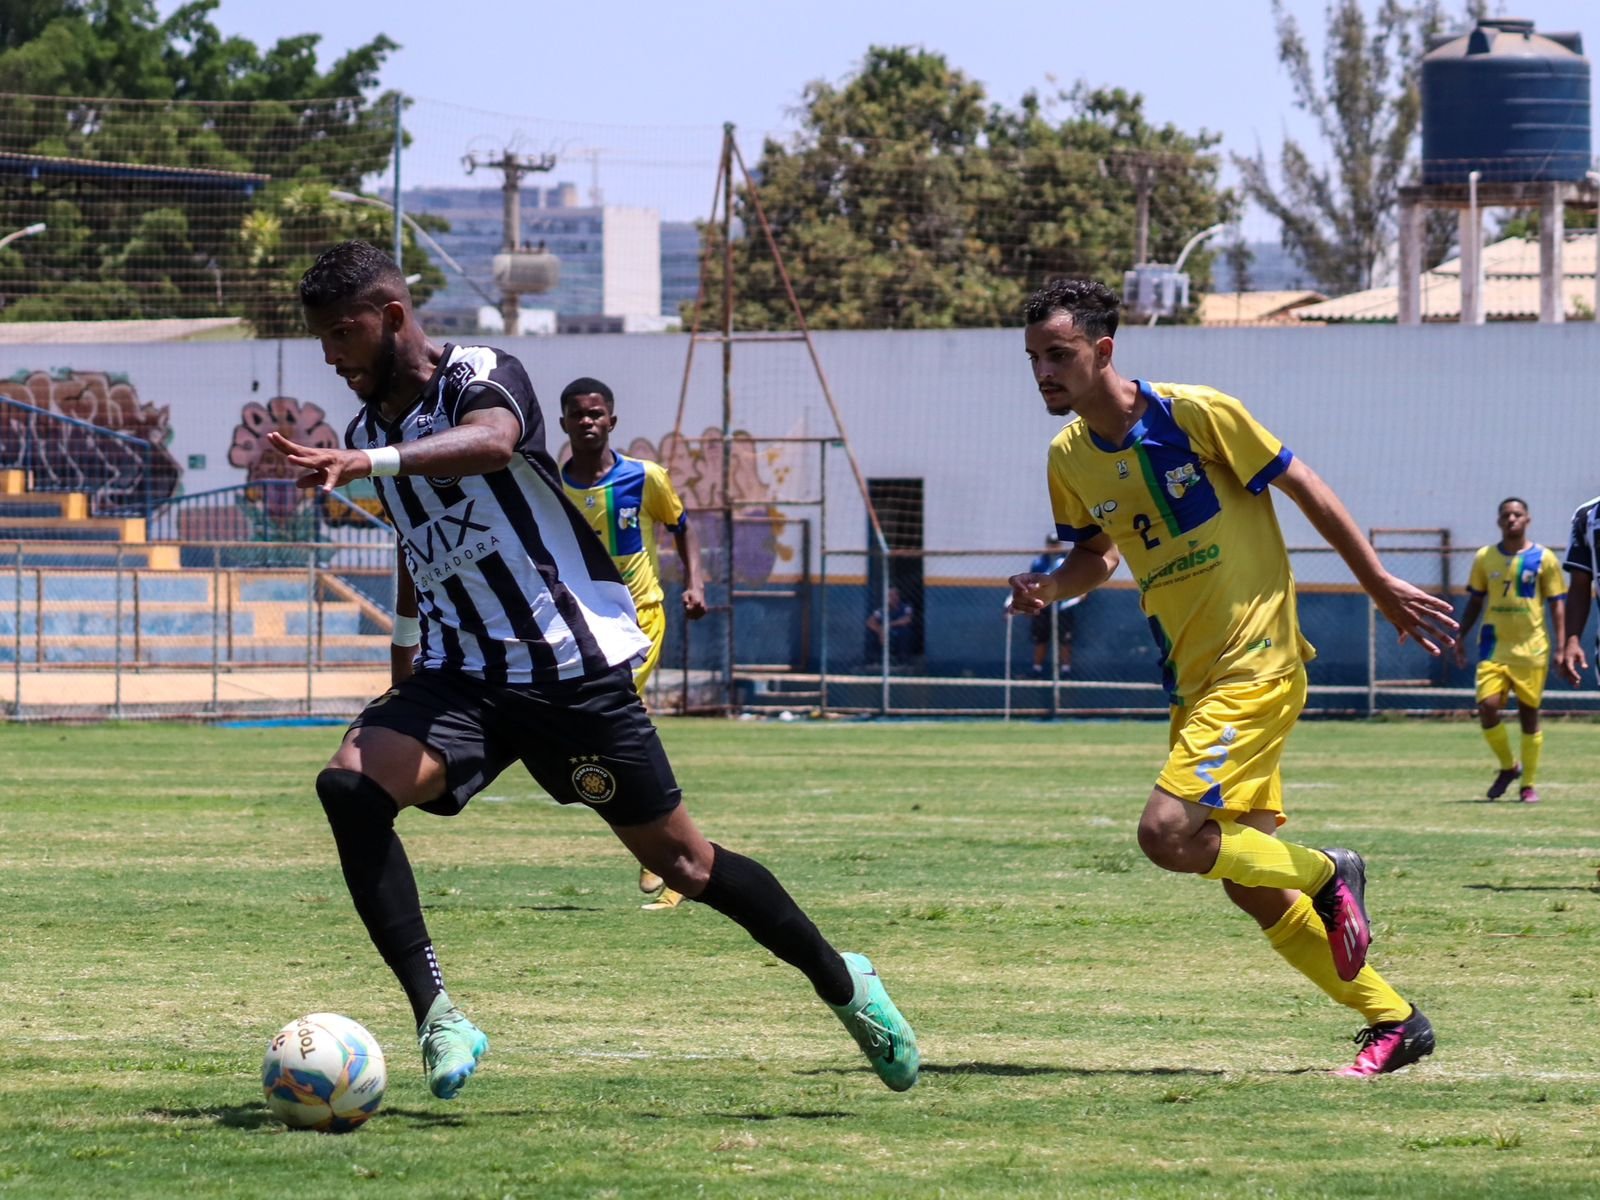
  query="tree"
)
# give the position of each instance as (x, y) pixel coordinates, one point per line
(23, 20)
(907, 200)
(1240, 258)
(280, 238)
(1339, 220)
(158, 245)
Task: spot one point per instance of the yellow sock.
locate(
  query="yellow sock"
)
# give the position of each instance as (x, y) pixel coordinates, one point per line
(1255, 859)
(1300, 938)
(1532, 747)
(1500, 742)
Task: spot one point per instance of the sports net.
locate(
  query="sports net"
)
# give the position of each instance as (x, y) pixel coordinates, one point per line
(899, 247)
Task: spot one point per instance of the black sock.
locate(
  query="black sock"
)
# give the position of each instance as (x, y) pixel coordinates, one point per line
(379, 877)
(748, 894)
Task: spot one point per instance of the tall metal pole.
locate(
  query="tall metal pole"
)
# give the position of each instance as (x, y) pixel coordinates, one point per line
(1144, 180)
(727, 402)
(511, 194)
(399, 218)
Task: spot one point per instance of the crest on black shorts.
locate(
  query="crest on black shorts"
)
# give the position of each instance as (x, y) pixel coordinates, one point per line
(594, 784)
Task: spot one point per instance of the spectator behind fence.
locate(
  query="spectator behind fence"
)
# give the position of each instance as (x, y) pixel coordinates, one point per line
(1055, 554)
(899, 623)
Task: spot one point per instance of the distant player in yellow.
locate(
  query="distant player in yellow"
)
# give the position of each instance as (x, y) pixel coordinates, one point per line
(624, 499)
(1513, 580)
(1173, 478)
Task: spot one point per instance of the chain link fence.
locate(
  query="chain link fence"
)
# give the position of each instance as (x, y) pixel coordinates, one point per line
(220, 629)
(192, 630)
(962, 654)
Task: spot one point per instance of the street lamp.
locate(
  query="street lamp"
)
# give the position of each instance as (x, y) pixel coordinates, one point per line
(422, 235)
(1183, 255)
(25, 231)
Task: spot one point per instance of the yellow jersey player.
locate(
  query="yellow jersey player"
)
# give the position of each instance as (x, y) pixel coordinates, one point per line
(1510, 584)
(624, 500)
(1173, 478)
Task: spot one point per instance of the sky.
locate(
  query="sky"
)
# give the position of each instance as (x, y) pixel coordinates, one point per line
(631, 96)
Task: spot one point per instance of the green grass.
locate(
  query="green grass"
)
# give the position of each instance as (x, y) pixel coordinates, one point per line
(1090, 1026)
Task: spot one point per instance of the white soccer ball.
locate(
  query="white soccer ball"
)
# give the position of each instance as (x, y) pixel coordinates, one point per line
(323, 1071)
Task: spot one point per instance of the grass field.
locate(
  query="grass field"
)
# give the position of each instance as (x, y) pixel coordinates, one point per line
(1090, 1026)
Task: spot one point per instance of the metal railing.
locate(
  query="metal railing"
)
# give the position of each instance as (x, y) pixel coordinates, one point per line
(192, 630)
(123, 475)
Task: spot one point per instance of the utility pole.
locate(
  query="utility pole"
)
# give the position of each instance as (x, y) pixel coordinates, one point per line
(1140, 169)
(1143, 183)
(514, 167)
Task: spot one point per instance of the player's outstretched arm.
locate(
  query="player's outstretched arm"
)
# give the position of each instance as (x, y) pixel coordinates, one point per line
(1088, 566)
(1570, 657)
(1412, 611)
(483, 442)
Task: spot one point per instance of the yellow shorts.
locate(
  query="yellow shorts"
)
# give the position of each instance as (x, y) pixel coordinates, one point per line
(1526, 679)
(653, 621)
(1226, 747)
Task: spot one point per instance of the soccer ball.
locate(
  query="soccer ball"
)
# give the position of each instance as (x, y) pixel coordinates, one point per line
(324, 1072)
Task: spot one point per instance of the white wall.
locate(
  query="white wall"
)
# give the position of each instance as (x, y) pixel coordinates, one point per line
(1414, 427)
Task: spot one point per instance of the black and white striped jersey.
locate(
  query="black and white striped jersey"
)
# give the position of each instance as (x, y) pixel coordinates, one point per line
(513, 586)
(1583, 543)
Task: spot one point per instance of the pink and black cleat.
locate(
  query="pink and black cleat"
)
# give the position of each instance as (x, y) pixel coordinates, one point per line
(1390, 1046)
(1529, 796)
(1341, 906)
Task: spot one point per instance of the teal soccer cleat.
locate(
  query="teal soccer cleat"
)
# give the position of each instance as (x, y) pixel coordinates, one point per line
(451, 1047)
(885, 1037)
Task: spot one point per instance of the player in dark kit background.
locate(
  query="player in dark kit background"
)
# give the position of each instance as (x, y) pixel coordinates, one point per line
(513, 637)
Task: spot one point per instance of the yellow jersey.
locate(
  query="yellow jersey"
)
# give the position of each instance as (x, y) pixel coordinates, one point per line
(1515, 588)
(1184, 498)
(624, 507)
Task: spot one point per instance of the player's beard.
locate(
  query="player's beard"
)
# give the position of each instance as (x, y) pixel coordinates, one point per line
(382, 371)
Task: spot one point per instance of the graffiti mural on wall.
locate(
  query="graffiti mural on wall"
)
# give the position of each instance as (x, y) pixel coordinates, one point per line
(303, 424)
(83, 453)
(277, 510)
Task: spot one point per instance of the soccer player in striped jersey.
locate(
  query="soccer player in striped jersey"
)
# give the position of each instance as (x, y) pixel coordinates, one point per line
(513, 635)
(1173, 478)
(624, 500)
(1514, 580)
(1583, 553)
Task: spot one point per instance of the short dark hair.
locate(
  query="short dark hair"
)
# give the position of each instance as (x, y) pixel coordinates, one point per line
(585, 386)
(349, 271)
(1090, 303)
(1512, 500)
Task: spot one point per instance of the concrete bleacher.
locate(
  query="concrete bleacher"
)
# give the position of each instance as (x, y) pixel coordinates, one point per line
(139, 617)
(120, 616)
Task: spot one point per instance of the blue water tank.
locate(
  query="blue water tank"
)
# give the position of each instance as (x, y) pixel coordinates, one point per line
(1507, 102)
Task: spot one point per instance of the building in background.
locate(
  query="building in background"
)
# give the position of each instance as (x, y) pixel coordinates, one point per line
(612, 259)
(1254, 308)
(680, 267)
(1510, 287)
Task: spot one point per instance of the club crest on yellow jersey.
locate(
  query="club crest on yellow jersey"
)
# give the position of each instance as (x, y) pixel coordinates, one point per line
(1181, 479)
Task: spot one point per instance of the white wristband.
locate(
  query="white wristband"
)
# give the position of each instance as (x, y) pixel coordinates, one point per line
(407, 631)
(385, 460)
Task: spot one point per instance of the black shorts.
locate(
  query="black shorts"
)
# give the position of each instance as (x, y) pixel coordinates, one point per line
(1041, 625)
(586, 741)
